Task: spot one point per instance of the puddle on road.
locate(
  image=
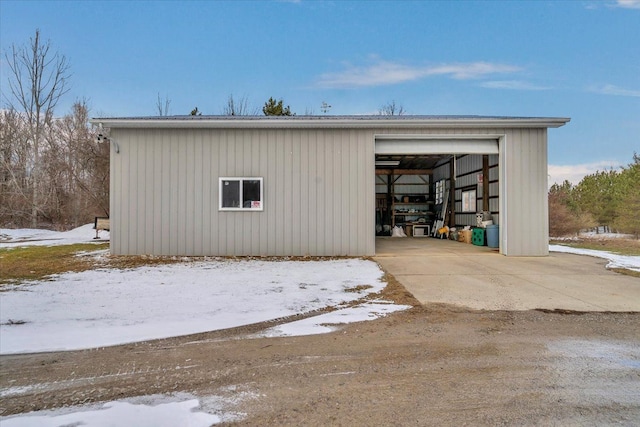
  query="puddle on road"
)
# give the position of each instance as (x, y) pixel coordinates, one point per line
(597, 372)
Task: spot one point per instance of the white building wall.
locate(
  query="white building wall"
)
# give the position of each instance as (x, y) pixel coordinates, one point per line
(524, 215)
(319, 196)
(319, 190)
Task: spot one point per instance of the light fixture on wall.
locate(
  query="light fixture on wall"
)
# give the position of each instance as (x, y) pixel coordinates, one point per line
(387, 162)
(103, 138)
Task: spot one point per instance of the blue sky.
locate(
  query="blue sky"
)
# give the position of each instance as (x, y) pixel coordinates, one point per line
(577, 59)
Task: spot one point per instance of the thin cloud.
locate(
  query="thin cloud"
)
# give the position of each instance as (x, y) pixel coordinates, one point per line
(382, 73)
(614, 90)
(574, 173)
(513, 85)
(628, 4)
(615, 4)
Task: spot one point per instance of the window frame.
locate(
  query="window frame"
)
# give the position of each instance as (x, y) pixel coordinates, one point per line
(439, 190)
(471, 194)
(240, 180)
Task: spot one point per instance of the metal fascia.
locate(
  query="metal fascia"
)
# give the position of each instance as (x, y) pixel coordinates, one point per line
(351, 123)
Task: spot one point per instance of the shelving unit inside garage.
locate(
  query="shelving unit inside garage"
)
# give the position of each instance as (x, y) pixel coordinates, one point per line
(404, 198)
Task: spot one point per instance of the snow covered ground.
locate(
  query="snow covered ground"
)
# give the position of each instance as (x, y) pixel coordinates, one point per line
(105, 307)
(12, 238)
(145, 411)
(108, 307)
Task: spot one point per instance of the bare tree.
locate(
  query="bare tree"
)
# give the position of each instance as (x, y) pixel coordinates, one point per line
(37, 80)
(391, 109)
(239, 107)
(15, 199)
(82, 188)
(162, 105)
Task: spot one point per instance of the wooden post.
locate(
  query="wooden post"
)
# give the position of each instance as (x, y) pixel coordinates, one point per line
(390, 204)
(452, 193)
(485, 182)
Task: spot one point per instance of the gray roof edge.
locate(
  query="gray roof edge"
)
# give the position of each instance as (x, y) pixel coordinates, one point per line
(293, 122)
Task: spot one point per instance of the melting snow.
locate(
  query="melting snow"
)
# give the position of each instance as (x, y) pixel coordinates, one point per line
(615, 261)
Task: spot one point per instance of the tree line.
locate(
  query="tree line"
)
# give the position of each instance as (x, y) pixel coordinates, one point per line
(606, 200)
(272, 107)
(54, 170)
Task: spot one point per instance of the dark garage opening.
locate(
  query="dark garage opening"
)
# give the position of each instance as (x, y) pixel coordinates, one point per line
(420, 194)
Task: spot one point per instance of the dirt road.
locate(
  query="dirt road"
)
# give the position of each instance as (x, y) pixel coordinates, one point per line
(433, 365)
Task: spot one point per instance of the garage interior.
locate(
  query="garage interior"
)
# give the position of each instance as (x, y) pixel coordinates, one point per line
(438, 195)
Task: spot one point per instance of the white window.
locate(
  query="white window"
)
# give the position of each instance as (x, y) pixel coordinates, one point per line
(241, 194)
(469, 201)
(439, 192)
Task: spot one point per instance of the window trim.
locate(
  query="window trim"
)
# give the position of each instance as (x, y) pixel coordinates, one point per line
(471, 194)
(240, 179)
(440, 188)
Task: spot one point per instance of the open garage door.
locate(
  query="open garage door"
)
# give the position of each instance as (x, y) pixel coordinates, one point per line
(424, 182)
(413, 145)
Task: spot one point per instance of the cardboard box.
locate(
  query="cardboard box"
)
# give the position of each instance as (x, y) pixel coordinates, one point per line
(465, 236)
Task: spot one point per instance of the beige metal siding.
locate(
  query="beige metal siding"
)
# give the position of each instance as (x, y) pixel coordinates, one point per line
(318, 192)
(523, 200)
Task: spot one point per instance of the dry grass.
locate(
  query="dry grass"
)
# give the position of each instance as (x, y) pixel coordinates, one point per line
(134, 261)
(39, 262)
(626, 272)
(619, 246)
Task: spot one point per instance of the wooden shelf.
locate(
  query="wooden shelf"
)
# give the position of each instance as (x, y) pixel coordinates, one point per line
(429, 202)
(397, 189)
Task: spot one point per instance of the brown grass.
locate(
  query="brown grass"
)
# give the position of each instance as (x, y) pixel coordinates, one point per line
(39, 262)
(619, 246)
(626, 272)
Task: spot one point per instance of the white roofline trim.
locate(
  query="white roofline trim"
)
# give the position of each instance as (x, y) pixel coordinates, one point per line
(355, 122)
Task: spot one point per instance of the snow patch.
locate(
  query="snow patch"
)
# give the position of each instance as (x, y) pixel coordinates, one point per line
(615, 261)
(329, 322)
(155, 413)
(106, 307)
(17, 238)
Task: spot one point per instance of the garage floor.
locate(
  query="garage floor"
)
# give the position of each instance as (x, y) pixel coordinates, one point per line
(442, 271)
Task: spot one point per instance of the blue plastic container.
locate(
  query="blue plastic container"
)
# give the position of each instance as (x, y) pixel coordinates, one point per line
(493, 236)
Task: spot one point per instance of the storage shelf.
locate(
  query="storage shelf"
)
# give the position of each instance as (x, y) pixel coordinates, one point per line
(414, 203)
(399, 194)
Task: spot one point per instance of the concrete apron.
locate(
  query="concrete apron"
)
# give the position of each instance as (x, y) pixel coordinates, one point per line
(477, 277)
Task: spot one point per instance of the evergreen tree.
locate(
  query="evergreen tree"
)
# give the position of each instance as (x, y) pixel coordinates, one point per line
(273, 108)
(599, 195)
(628, 209)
